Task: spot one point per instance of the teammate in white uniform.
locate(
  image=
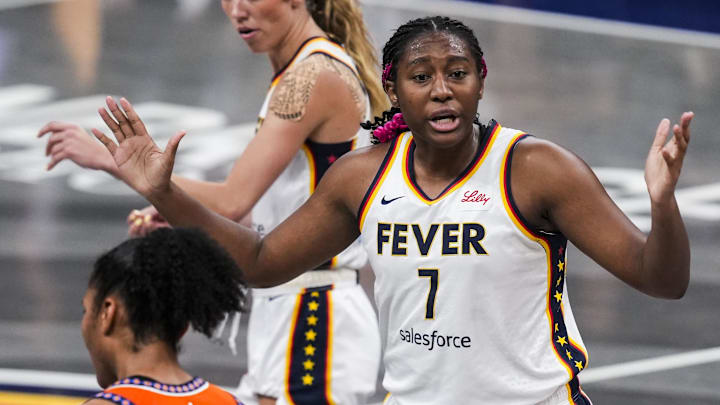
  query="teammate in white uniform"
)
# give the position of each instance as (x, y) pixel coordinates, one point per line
(320, 93)
(303, 334)
(466, 226)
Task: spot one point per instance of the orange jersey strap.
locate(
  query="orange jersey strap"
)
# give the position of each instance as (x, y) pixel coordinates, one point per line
(140, 390)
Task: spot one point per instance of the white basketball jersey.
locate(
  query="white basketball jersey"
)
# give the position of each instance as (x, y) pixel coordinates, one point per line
(297, 182)
(471, 300)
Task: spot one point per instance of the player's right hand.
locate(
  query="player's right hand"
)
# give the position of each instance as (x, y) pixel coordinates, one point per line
(70, 141)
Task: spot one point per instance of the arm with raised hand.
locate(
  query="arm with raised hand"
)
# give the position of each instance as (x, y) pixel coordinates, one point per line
(557, 191)
(666, 256)
(320, 229)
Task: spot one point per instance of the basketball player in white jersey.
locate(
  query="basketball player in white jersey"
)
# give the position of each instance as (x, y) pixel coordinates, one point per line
(302, 335)
(465, 225)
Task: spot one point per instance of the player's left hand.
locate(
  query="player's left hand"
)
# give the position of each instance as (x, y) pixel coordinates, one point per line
(664, 162)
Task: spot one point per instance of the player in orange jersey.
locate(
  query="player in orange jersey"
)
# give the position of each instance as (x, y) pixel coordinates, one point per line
(142, 297)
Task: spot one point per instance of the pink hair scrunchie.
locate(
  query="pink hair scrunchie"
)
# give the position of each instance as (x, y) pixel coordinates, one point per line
(391, 129)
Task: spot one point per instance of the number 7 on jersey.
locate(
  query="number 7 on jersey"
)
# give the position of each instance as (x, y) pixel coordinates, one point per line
(430, 305)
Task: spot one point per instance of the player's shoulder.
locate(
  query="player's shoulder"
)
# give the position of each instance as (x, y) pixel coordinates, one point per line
(317, 65)
(548, 170)
(311, 84)
(320, 61)
(536, 153)
(327, 72)
(365, 159)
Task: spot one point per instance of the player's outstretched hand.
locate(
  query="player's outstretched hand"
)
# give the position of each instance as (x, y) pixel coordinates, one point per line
(665, 160)
(69, 141)
(140, 162)
(142, 222)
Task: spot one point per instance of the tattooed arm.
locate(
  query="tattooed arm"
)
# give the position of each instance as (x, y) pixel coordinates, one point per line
(318, 99)
(291, 98)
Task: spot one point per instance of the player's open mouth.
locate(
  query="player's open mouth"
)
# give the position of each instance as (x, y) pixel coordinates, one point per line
(444, 122)
(246, 33)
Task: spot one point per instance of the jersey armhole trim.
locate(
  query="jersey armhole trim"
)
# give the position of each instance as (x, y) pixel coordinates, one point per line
(506, 188)
(377, 181)
(311, 166)
(533, 233)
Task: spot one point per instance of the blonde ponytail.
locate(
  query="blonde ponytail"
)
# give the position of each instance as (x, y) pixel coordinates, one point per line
(342, 20)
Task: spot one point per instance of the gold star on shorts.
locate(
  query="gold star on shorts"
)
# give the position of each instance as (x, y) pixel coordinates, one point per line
(309, 350)
(307, 379)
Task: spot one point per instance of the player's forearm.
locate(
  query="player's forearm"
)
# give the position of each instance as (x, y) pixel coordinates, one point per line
(666, 255)
(215, 196)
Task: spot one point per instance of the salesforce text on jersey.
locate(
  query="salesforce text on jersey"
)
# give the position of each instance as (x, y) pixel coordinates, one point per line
(433, 340)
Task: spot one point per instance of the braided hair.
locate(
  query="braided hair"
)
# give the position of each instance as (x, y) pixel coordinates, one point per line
(390, 123)
(168, 280)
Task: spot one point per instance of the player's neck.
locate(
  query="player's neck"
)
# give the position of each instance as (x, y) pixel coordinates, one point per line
(156, 361)
(296, 36)
(444, 163)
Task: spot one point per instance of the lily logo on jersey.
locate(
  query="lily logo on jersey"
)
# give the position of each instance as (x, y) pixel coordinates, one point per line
(386, 202)
(475, 196)
(475, 200)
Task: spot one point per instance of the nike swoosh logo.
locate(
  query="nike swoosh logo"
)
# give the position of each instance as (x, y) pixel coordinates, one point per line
(386, 202)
